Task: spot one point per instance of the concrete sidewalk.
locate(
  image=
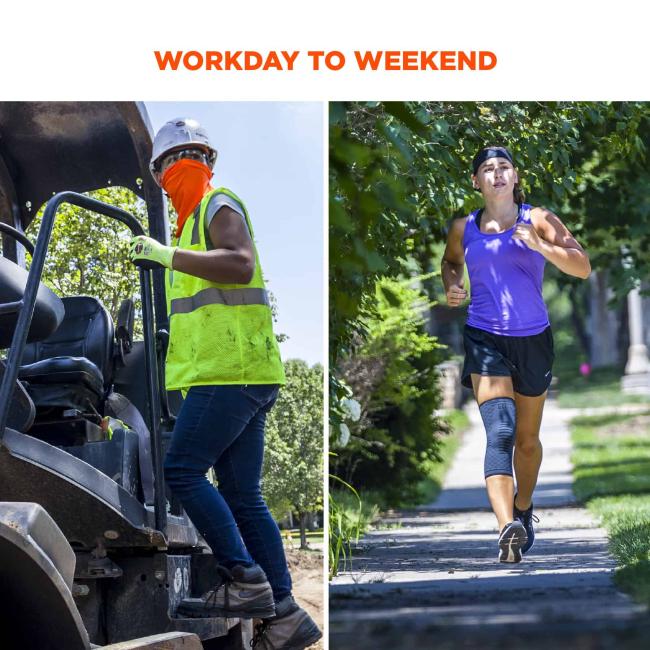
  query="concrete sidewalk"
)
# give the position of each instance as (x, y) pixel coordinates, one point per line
(431, 578)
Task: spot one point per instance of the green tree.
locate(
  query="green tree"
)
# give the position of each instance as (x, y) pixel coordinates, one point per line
(293, 462)
(610, 202)
(89, 253)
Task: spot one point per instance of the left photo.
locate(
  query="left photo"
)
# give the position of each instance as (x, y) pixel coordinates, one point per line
(161, 396)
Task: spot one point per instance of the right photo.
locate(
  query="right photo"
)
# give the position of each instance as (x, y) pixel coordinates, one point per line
(489, 324)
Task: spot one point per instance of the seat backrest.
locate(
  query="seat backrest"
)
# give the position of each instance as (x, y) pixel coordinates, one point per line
(86, 331)
(48, 309)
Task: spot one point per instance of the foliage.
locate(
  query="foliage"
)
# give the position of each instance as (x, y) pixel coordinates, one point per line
(88, 253)
(293, 463)
(392, 375)
(346, 523)
(610, 202)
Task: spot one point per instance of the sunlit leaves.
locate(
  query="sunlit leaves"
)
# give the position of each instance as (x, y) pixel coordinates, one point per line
(89, 253)
(293, 461)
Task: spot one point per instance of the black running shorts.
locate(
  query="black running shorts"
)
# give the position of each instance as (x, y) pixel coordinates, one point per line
(527, 359)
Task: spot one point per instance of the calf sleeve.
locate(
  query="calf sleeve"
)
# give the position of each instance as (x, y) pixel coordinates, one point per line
(499, 418)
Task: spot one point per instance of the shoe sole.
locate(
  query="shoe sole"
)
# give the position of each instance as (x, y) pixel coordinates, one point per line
(510, 544)
(199, 610)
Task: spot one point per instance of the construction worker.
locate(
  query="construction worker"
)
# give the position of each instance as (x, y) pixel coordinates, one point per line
(223, 354)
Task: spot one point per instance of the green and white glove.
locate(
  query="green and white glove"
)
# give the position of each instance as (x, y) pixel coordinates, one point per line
(149, 253)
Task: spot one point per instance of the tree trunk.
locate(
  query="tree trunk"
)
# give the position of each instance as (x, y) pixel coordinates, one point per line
(603, 322)
(303, 531)
(578, 320)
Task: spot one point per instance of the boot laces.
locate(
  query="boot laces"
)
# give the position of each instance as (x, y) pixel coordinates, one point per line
(260, 638)
(224, 580)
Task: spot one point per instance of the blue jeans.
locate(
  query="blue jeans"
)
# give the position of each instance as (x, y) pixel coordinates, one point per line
(223, 427)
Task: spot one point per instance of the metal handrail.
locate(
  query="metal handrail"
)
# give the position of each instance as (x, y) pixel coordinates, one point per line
(26, 313)
(18, 236)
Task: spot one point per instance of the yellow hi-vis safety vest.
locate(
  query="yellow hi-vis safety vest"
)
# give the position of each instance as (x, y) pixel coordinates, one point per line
(219, 333)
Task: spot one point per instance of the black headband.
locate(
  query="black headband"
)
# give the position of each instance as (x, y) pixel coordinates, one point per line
(490, 152)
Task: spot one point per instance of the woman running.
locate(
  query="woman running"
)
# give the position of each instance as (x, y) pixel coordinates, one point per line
(507, 337)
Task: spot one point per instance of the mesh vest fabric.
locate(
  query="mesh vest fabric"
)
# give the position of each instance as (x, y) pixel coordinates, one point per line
(219, 333)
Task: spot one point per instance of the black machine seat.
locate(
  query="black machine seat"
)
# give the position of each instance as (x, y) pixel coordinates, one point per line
(73, 366)
(65, 370)
(48, 310)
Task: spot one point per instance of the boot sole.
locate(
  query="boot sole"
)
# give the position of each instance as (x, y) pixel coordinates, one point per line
(510, 545)
(199, 610)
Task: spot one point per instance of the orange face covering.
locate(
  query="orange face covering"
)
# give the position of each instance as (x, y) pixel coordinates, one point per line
(186, 183)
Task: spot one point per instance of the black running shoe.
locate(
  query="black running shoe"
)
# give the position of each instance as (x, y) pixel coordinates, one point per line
(511, 540)
(526, 517)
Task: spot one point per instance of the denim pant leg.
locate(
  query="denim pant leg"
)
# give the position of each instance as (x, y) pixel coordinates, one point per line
(210, 420)
(239, 471)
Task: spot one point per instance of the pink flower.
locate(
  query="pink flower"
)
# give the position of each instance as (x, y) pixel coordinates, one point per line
(585, 369)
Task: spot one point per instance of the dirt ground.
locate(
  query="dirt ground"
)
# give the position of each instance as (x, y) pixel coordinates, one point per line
(307, 573)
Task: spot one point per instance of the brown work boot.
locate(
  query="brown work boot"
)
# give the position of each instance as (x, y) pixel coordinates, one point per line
(290, 629)
(242, 592)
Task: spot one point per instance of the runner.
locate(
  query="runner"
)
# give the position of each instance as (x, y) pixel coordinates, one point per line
(507, 337)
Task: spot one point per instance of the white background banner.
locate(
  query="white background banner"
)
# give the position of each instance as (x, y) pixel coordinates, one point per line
(545, 51)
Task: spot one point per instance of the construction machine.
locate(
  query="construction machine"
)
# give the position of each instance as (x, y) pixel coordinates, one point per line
(93, 551)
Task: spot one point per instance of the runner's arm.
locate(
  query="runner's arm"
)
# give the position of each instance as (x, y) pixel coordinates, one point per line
(453, 264)
(550, 237)
(233, 259)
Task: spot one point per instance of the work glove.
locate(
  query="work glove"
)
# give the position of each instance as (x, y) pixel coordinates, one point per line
(150, 254)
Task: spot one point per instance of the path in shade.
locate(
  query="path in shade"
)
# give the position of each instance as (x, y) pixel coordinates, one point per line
(431, 578)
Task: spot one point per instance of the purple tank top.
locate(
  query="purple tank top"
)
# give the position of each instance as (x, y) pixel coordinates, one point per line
(505, 281)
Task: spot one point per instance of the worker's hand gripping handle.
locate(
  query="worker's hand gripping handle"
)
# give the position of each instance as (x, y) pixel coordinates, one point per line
(148, 253)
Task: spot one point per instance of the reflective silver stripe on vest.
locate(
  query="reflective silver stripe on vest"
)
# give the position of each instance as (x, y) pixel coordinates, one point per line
(196, 239)
(215, 296)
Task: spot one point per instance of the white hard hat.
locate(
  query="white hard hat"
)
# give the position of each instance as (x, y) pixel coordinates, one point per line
(181, 133)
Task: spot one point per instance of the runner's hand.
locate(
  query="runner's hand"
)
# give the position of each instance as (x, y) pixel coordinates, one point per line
(455, 295)
(527, 234)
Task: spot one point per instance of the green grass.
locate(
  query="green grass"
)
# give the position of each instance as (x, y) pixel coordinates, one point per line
(349, 518)
(313, 536)
(362, 515)
(601, 388)
(612, 476)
